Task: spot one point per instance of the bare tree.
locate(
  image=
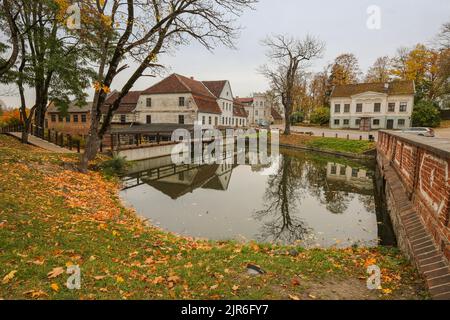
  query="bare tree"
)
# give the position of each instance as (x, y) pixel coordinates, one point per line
(142, 31)
(288, 57)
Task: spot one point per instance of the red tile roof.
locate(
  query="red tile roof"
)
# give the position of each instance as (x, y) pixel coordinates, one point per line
(244, 100)
(176, 83)
(216, 87)
(127, 104)
(239, 110)
(207, 105)
(395, 88)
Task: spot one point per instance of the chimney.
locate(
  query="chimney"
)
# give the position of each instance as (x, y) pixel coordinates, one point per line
(192, 78)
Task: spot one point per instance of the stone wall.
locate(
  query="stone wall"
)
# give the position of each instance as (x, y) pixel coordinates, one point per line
(416, 173)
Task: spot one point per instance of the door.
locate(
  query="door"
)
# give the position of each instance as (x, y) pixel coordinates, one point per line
(390, 124)
(365, 124)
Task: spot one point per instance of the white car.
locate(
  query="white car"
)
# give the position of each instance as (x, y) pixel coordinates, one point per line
(423, 132)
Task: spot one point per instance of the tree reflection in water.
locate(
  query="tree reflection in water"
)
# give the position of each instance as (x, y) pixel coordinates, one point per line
(284, 191)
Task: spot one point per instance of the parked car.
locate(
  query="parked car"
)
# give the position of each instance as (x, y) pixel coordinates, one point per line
(263, 124)
(423, 132)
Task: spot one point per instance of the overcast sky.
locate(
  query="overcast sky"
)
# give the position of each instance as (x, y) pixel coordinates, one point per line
(342, 25)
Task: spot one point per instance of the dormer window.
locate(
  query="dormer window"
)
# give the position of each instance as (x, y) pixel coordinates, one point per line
(181, 102)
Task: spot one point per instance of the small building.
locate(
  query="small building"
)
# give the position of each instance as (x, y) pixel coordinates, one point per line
(75, 120)
(277, 117)
(258, 108)
(372, 106)
(240, 116)
(222, 91)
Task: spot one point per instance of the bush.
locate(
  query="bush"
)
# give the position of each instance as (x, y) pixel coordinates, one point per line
(115, 166)
(321, 116)
(297, 117)
(426, 114)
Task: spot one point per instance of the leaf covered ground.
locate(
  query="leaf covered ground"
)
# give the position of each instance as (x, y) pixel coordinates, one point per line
(52, 218)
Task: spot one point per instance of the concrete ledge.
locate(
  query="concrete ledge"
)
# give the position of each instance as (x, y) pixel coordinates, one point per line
(412, 235)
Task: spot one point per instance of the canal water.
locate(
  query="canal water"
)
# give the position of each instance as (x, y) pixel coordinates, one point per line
(308, 199)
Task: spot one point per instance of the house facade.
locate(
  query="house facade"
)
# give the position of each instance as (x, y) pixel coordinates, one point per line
(258, 108)
(372, 106)
(182, 100)
(75, 120)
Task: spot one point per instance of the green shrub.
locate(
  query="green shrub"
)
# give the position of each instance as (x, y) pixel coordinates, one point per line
(297, 117)
(321, 116)
(426, 114)
(114, 167)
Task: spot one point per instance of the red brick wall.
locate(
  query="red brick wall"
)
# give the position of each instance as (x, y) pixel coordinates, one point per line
(425, 175)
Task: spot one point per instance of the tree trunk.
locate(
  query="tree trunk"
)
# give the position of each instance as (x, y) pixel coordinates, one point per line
(26, 130)
(287, 128)
(90, 151)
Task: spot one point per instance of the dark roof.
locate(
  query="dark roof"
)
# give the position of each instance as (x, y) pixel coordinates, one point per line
(216, 87)
(395, 88)
(156, 127)
(127, 104)
(239, 110)
(276, 115)
(73, 108)
(207, 105)
(176, 83)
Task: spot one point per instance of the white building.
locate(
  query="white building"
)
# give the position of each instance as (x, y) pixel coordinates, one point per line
(258, 108)
(182, 100)
(372, 106)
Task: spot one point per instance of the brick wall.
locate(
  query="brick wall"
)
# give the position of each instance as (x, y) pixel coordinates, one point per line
(423, 168)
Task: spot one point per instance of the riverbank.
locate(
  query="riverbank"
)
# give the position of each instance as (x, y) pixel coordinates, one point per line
(357, 149)
(53, 218)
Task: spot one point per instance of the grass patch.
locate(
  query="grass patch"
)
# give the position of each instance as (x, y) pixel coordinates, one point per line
(341, 145)
(52, 218)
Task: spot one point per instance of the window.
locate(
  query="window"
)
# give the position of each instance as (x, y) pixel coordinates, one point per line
(60, 118)
(343, 171)
(210, 121)
(256, 112)
(377, 107)
(346, 122)
(337, 122)
(149, 119)
(401, 122)
(376, 122)
(83, 118)
(346, 108)
(75, 118)
(181, 101)
(357, 122)
(123, 118)
(68, 118)
(217, 121)
(391, 107)
(333, 169)
(359, 107)
(181, 119)
(337, 108)
(203, 120)
(53, 116)
(355, 173)
(149, 102)
(403, 106)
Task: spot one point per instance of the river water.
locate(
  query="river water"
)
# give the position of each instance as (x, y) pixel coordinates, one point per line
(308, 199)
